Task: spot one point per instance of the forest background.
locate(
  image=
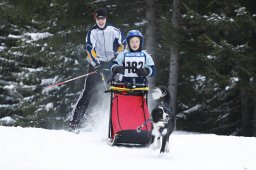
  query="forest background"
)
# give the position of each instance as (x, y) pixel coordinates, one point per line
(204, 51)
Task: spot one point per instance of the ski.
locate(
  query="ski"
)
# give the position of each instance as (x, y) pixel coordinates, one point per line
(76, 131)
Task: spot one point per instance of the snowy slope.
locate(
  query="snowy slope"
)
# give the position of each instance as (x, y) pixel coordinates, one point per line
(40, 149)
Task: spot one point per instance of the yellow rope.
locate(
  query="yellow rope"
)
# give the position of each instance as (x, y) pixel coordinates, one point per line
(128, 89)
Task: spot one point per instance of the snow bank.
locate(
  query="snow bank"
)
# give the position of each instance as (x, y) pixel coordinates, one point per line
(40, 149)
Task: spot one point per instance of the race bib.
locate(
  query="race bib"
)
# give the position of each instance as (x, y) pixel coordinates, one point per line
(133, 61)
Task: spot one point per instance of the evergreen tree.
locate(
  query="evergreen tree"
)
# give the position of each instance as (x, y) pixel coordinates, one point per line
(221, 60)
(42, 42)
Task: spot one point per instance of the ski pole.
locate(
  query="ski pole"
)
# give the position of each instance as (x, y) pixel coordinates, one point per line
(60, 83)
(103, 79)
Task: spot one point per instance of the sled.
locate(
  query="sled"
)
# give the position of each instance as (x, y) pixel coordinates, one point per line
(128, 110)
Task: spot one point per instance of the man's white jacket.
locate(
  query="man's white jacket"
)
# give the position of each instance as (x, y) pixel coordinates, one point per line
(104, 41)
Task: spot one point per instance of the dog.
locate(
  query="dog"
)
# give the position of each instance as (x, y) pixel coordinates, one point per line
(163, 119)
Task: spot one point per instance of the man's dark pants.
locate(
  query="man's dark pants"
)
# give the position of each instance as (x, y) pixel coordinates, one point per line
(94, 87)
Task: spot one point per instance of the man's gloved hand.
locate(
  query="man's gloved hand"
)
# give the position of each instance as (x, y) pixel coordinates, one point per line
(120, 48)
(141, 72)
(98, 68)
(118, 69)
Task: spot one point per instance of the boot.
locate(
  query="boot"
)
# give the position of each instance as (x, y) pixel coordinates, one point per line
(73, 124)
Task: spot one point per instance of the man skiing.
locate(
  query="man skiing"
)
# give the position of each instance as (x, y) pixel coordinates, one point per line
(102, 42)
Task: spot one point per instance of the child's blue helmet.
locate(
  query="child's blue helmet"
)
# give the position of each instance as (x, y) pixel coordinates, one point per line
(134, 33)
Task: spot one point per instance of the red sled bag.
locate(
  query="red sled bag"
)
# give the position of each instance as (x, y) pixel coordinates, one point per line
(128, 112)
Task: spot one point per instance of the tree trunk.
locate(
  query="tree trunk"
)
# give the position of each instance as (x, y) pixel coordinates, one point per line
(254, 111)
(245, 113)
(174, 57)
(150, 33)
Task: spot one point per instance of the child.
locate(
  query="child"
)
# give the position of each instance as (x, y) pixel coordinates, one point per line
(134, 63)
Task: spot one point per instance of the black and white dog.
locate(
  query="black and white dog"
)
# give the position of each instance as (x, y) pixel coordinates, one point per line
(163, 119)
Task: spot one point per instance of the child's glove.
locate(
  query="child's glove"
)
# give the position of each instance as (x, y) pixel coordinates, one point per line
(118, 69)
(141, 72)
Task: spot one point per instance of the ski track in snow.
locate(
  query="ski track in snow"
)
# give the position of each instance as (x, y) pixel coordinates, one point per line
(41, 149)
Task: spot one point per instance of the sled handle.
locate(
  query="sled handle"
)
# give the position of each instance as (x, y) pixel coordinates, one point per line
(123, 84)
(114, 88)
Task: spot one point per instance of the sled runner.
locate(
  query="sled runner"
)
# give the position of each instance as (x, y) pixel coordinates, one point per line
(128, 110)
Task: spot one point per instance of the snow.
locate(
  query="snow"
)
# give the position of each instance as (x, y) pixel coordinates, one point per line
(126, 25)
(2, 48)
(97, 1)
(32, 70)
(240, 47)
(241, 11)
(200, 78)
(5, 105)
(9, 87)
(7, 120)
(233, 81)
(49, 106)
(193, 109)
(184, 114)
(14, 36)
(211, 57)
(216, 18)
(31, 37)
(6, 60)
(41, 149)
(143, 22)
(231, 20)
(29, 98)
(38, 36)
(49, 81)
